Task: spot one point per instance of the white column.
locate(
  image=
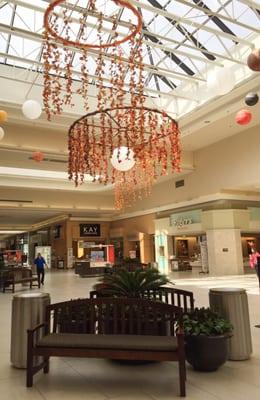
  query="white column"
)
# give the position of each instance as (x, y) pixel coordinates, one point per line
(225, 252)
(161, 252)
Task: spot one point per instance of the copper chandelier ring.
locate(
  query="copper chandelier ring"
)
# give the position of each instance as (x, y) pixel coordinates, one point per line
(107, 110)
(66, 42)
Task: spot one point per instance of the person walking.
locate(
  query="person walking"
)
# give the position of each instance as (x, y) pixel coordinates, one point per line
(254, 262)
(40, 263)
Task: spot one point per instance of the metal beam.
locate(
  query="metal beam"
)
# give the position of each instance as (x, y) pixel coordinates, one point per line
(188, 21)
(172, 56)
(78, 73)
(223, 17)
(153, 69)
(188, 35)
(217, 21)
(144, 31)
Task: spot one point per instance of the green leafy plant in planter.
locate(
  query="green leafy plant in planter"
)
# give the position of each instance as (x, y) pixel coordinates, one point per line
(207, 335)
(123, 283)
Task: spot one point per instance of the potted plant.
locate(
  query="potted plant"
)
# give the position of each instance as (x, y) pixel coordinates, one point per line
(123, 283)
(206, 335)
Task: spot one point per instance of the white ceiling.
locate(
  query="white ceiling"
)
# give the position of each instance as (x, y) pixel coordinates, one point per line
(203, 117)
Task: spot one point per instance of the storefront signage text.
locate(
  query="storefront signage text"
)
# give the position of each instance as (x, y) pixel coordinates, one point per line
(181, 222)
(89, 229)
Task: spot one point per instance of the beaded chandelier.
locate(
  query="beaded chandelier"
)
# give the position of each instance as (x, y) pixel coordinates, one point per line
(71, 29)
(122, 142)
(126, 146)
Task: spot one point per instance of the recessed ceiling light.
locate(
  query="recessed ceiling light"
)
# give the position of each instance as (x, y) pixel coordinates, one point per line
(207, 121)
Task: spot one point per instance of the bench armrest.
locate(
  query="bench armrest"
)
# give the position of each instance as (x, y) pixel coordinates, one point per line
(37, 327)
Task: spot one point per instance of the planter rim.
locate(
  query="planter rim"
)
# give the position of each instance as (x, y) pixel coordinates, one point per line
(222, 336)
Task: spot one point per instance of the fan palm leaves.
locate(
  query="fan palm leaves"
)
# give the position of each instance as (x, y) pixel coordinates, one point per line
(123, 283)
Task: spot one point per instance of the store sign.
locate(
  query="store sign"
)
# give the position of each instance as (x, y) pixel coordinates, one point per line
(181, 222)
(185, 218)
(89, 229)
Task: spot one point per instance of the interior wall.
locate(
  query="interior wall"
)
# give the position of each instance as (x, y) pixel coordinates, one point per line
(134, 226)
(58, 198)
(229, 163)
(59, 245)
(143, 223)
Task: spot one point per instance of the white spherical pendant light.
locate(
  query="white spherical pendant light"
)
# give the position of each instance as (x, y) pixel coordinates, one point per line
(221, 81)
(123, 159)
(2, 133)
(32, 109)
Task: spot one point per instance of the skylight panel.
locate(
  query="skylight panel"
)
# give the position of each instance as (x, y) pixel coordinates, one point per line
(3, 42)
(24, 48)
(28, 19)
(6, 14)
(40, 3)
(178, 8)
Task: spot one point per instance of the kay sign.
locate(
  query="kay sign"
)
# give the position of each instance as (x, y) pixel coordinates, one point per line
(89, 230)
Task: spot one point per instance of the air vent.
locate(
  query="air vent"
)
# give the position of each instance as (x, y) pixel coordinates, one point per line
(55, 160)
(16, 201)
(179, 183)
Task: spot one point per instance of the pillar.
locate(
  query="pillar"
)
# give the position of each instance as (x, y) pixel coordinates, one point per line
(223, 231)
(162, 252)
(225, 252)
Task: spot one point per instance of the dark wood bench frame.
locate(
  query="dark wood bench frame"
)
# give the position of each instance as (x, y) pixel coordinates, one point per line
(93, 313)
(169, 295)
(10, 278)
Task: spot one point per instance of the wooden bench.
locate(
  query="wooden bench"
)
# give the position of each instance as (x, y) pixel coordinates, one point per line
(18, 275)
(110, 328)
(169, 295)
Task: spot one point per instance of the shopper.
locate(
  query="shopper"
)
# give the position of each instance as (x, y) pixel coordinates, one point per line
(254, 262)
(40, 263)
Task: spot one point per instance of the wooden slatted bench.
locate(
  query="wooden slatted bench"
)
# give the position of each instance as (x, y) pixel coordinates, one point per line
(18, 275)
(110, 328)
(169, 295)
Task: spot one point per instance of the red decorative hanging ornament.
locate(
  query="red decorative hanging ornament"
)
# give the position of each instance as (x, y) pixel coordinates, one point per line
(243, 117)
(38, 156)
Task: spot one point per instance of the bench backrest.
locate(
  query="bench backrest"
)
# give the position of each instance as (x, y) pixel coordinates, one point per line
(177, 297)
(114, 316)
(17, 274)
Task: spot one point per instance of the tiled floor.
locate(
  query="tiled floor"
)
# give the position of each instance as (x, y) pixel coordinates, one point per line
(95, 379)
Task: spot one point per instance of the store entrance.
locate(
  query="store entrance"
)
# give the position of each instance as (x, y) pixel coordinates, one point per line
(250, 242)
(186, 253)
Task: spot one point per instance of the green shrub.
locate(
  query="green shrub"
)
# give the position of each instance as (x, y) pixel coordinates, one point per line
(204, 321)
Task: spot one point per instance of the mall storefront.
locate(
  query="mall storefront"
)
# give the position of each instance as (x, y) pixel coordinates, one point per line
(215, 241)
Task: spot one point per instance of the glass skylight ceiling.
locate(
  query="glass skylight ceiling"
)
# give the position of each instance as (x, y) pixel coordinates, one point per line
(182, 38)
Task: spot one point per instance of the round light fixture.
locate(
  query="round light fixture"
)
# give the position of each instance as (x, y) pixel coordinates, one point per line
(123, 159)
(32, 109)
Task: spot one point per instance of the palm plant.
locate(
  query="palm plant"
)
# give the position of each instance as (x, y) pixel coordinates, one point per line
(123, 283)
